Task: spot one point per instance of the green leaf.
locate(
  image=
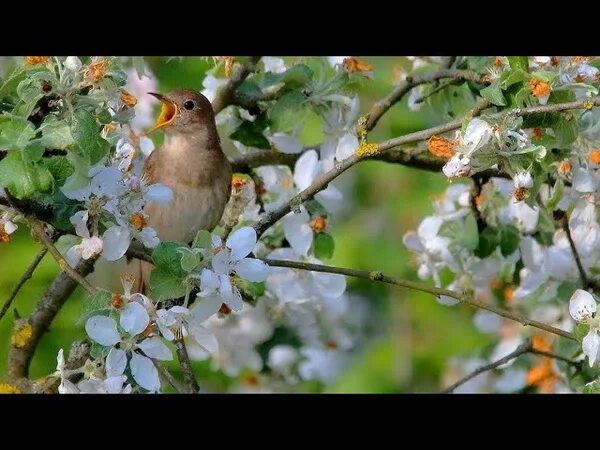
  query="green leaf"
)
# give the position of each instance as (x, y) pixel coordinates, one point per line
(33, 152)
(139, 66)
(56, 134)
(509, 240)
(566, 131)
(294, 78)
(288, 112)
(513, 77)
(86, 134)
(164, 284)
(12, 81)
(203, 239)
(248, 90)
(519, 63)
(251, 133)
(166, 256)
(255, 289)
(580, 331)
(23, 179)
(592, 388)
(189, 260)
(324, 245)
(297, 76)
(96, 304)
(557, 194)
(315, 208)
(470, 235)
(493, 93)
(15, 132)
(489, 239)
(561, 96)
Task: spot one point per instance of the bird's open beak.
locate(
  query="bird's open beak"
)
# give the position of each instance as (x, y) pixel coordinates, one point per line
(167, 113)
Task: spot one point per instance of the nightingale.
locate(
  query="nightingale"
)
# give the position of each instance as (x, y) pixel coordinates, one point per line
(190, 162)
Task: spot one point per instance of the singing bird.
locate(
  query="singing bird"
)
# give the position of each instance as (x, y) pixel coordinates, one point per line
(190, 162)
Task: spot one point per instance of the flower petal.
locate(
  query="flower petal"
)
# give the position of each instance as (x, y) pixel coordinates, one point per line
(134, 318)
(298, 232)
(203, 338)
(144, 372)
(203, 308)
(155, 348)
(116, 361)
(346, 146)
(230, 294)
(306, 169)
(159, 193)
(286, 143)
(103, 330)
(582, 305)
(241, 242)
(252, 269)
(590, 346)
(116, 242)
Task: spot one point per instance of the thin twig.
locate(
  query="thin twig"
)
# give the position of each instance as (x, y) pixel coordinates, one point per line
(582, 274)
(520, 350)
(440, 87)
(163, 372)
(38, 229)
(186, 366)
(571, 362)
(382, 106)
(423, 287)
(226, 94)
(26, 276)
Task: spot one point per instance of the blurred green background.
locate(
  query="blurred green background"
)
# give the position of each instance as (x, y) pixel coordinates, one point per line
(387, 200)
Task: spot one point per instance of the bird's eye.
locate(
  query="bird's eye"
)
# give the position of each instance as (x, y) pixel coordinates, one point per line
(189, 104)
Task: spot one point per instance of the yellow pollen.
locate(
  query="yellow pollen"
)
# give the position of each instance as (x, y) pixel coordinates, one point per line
(4, 236)
(117, 301)
(539, 88)
(229, 63)
(509, 293)
(128, 98)
(595, 156)
(96, 70)
(22, 335)
(318, 224)
(33, 60)
(357, 65)
(138, 221)
(565, 167)
(588, 104)
(6, 388)
(440, 147)
(238, 182)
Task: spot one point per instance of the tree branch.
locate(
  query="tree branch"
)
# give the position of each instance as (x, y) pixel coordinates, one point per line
(383, 105)
(520, 350)
(22, 350)
(26, 276)
(378, 276)
(38, 229)
(226, 94)
(186, 366)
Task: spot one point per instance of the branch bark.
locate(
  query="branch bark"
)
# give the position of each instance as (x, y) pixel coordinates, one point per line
(226, 94)
(186, 366)
(378, 276)
(20, 353)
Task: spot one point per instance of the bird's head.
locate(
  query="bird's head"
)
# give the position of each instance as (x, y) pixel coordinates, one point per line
(184, 111)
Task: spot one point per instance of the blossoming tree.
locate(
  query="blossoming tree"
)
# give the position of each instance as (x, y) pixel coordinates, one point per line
(515, 235)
